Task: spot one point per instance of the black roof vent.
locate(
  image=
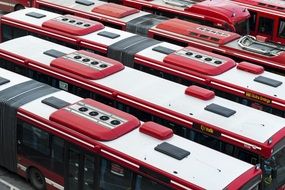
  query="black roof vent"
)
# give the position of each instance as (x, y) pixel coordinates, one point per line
(3, 81)
(223, 111)
(171, 150)
(268, 81)
(108, 34)
(35, 15)
(55, 102)
(54, 53)
(84, 2)
(163, 50)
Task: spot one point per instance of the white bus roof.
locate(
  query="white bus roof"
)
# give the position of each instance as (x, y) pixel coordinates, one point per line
(202, 161)
(246, 122)
(97, 3)
(233, 76)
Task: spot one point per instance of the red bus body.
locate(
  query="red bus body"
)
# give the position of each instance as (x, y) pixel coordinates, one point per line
(210, 13)
(134, 89)
(267, 18)
(61, 141)
(182, 70)
(220, 13)
(14, 5)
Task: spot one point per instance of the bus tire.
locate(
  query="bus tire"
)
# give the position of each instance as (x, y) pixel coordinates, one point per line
(37, 179)
(18, 7)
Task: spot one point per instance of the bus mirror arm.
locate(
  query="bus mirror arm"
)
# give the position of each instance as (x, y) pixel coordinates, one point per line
(274, 173)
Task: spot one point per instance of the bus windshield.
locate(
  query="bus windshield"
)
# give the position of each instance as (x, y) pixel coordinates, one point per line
(242, 27)
(274, 170)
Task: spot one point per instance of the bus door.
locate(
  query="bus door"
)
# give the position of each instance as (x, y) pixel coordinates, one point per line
(266, 26)
(6, 5)
(80, 169)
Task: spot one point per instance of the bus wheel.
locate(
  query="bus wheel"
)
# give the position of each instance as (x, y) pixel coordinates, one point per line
(37, 179)
(18, 7)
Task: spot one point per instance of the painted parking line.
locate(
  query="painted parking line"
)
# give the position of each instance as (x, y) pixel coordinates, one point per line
(7, 186)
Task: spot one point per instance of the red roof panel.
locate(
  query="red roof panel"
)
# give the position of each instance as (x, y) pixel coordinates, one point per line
(114, 10)
(73, 25)
(87, 65)
(95, 120)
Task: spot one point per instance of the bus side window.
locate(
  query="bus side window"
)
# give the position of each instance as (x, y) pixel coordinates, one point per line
(265, 25)
(252, 21)
(143, 183)
(57, 154)
(7, 33)
(35, 139)
(114, 176)
(281, 29)
(246, 156)
(228, 149)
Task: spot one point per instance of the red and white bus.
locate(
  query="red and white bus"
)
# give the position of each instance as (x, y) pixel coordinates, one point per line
(227, 16)
(61, 141)
(14, 5)
(267, 18)
(185, 9)
(159, 58)
(190, 111)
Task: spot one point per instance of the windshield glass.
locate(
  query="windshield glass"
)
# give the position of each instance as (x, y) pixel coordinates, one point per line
(274, 170)
(242, 28)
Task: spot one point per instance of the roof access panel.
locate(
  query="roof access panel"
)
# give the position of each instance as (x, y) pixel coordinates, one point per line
(197, 31)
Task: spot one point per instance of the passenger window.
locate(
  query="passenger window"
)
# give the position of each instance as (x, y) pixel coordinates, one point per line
(36, 139)
(252, 20)
(143, 183)
(57, 149)
(265, 25)
(6, 33)
(281, 29)
(114, 176)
